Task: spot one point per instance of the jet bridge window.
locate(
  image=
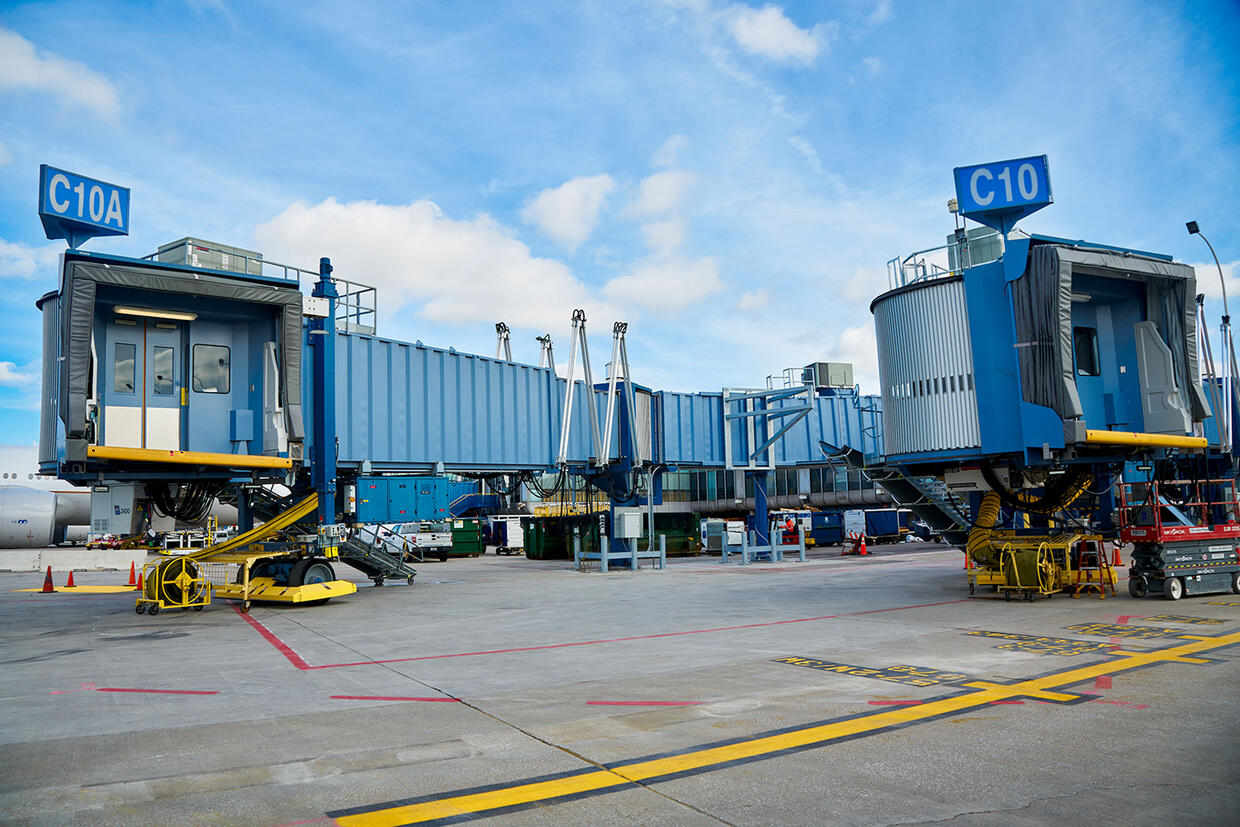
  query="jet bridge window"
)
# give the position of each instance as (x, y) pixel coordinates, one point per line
(211, 372)
(1085, 346)
(163, 383)
(123, 367)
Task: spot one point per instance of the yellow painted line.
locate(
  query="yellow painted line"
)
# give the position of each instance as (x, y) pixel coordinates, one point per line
(1130, 438)
(85, 589)
(187, 457)
(984, 693)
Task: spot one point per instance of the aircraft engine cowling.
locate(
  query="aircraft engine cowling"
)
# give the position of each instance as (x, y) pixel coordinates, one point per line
(27, 517)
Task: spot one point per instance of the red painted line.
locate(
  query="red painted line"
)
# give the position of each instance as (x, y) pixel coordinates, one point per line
(893, 703)
(280, 645)
(391, 698)
(300, 663)
(1122, 619)
(643, 703)
(161, 691)
(1102, 682)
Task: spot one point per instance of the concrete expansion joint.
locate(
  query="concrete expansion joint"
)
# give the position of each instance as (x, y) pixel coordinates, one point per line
(1093, 790)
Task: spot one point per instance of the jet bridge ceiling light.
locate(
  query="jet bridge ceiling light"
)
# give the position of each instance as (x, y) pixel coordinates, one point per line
(156, 314)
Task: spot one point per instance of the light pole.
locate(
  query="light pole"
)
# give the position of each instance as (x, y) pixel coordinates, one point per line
(1228, 352)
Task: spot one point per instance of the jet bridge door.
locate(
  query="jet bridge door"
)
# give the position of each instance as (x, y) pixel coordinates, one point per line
(142, 382)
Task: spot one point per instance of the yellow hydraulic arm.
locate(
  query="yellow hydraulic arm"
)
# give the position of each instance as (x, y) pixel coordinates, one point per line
(262, 532)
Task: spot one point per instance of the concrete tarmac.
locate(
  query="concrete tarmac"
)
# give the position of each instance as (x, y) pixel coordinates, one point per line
(841, 690)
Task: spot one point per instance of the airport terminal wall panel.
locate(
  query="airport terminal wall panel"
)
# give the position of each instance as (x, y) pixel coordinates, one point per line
(402, 405)
(842, 421)
(692, 429)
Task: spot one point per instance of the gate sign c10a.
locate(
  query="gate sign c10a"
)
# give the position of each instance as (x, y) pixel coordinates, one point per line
(76, 208)
(1000, 194)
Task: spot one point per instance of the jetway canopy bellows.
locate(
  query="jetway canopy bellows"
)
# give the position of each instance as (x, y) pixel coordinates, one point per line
(78, 288)
(1042, 300)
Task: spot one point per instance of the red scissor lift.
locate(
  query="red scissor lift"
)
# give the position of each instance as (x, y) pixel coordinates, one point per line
(1184, 534)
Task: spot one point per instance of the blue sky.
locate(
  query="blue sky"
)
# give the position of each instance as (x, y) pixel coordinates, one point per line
(730, 179)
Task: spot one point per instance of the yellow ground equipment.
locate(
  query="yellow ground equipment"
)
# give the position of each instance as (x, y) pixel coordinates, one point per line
(1040, 565)
(247, 568)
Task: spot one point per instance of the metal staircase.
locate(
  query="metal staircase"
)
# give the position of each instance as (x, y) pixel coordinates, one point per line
(928, 498)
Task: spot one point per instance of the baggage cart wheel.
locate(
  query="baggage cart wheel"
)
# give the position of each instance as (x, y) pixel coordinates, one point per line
(378, 581)
(409, 580)
(140, 608)
(1137, 587)
(245, 607)
(198, 608)
(1173, 588)
(154, 609)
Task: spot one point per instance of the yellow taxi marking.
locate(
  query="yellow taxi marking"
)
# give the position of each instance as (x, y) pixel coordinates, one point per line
(85, 589)
(592, 781)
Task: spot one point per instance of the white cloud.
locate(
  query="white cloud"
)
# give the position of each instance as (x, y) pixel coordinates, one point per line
(753, 300)
(453, 271)
(568, 213)
(1208, 283)
(768, 32)
(872, 66)
(21, 67)
(5, 157)
(668, 155)
(858, 346)
(12, 377)
(660, 193)
(665, 286)
(664, 237)
(881, 14)
(19, 260)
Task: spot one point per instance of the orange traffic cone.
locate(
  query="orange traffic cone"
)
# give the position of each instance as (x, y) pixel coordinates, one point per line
(69, 582)
(862, 551)
(132, 572)
(48, 588)
(138, 587)
(1117, 560)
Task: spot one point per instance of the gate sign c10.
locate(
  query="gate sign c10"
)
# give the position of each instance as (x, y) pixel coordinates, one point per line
(76, 208)
(1000, 194)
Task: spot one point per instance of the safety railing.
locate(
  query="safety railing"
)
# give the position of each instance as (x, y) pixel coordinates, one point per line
(356, 306)
(944, 261)
(1177, 503)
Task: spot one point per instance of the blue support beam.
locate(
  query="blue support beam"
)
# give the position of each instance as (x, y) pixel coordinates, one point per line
(323, 342)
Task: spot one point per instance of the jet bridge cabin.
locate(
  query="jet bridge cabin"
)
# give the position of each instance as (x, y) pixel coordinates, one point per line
(151, 368)
(1058, 351)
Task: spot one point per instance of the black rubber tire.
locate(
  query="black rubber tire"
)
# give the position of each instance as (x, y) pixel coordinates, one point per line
(311, 570)
(378, 581)
(1137, 587)
(1173, 588)
(1235, 583)
(443, 558)
(198, 608)
(140, 608)
(409, 580)
(970, 588)
(245, 607)
(154, 610)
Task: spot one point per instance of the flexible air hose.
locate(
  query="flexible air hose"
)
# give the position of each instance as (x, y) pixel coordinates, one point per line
(978, 546)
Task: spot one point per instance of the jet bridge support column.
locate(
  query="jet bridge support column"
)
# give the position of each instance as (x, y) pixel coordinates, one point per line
(245, 510)
(761, 517)
(323, 342)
